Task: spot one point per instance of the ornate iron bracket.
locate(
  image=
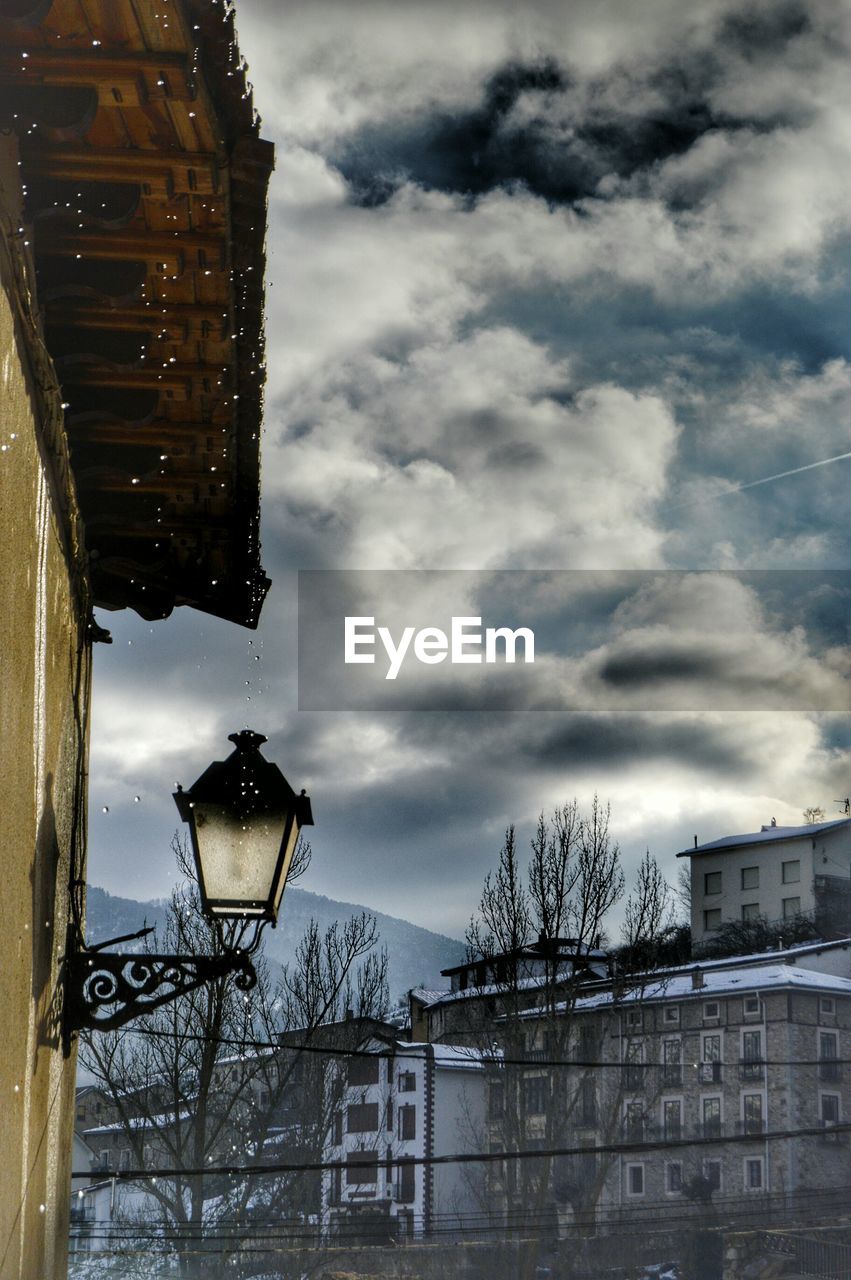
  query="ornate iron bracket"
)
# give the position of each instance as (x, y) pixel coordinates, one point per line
(106, 989)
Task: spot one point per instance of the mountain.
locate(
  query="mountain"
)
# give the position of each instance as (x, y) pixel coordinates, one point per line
(415, 955)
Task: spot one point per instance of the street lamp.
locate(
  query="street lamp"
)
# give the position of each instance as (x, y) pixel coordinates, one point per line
(244, 820)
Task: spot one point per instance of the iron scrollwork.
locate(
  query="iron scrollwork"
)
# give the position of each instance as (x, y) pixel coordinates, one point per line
(106, 989)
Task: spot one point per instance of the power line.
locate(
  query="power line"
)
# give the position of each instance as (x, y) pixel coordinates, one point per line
(477, 1157)
(490, 1057)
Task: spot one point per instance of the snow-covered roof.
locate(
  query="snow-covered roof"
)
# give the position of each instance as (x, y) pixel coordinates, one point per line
(162, 1121)
(767, 835)
(716, 982)
(444, 1055)
(428, 995)
(500, 988)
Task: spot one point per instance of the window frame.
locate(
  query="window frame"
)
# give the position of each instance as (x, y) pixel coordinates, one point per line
(629, 1169)
(753, 882)
(715, 877)
(747, 1185)
(787, 879)
(670, 1165)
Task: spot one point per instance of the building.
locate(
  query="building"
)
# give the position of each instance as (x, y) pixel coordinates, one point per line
(776, 873)
(480, 989)
(398, 1103)
(132, 215)
(719, 1085)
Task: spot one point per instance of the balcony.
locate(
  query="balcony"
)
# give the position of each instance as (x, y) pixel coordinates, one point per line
(752, 1127)
(633, 1075)
(828, 1069)
(709, 1072)
(751, 1069)
(672, 1075)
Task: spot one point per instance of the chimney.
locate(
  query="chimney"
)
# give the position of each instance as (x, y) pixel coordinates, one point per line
(695, 842)
(697, 979)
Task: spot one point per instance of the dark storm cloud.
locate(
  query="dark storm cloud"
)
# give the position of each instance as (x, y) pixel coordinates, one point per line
(641, 669)
(601, 743)
(537, 127)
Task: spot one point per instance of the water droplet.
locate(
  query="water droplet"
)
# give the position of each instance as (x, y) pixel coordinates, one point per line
(105, 808)
(136, 799)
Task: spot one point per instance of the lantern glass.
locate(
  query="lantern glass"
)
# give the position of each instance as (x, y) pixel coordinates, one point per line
(238, 858)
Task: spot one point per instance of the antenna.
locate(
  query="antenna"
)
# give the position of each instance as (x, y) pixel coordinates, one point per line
(845, 805)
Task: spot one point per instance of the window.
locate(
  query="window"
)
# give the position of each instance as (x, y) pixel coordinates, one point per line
(633, 1074)
(388, 1115)
(711, 1112)
(712, 1174)
(407, 1123)
(672, 1068)
(635, 1179)
(711, 1047)
(124, 1161)
(752, 1113)
(672, 1014)
(588, 1102)
(709, 1070)
(361, 1168)
(750, 877)
(750, 911)
(791, 908)
(711, 1011)
(712, 919)
(407, 1082)
(674, 1178)
(751, 1064)
(792, 872)
(633, 1018)
(362, 1118)
(829, 1108)
(633, 1122)
(754, 1173)
(363, 1070)
(827, 1006)
(535, 1095)
(712, 883)
(496, 1100)
(672, 1119)
(752, 1007)
(338, 1128)
(828, 1053)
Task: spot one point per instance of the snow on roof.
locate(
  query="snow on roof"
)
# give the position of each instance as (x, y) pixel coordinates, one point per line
(443, 1055)
(679, 986)
(500, 988)
(768, 835)
(428, 995)
(161, 1121)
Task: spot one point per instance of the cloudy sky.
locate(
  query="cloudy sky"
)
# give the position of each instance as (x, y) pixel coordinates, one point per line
(554, 287)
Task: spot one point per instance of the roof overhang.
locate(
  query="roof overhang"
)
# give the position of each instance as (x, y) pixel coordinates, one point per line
(145, 183)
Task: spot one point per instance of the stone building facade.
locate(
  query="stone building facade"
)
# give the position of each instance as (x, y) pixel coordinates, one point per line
(720, 1086)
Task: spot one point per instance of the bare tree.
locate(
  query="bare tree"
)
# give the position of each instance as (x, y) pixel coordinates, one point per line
(222, 1077)
(534, 943)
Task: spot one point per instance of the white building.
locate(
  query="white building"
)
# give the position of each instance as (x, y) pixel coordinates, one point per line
(403, 1102)
(777, 872)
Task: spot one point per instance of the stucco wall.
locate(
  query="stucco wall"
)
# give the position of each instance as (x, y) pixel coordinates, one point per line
(44, 664)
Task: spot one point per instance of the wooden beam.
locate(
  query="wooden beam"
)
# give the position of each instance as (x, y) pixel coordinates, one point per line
(160, 173)
(178, 322)
(166, 252)
(121, 80)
